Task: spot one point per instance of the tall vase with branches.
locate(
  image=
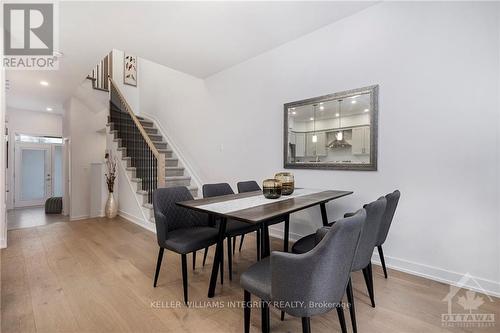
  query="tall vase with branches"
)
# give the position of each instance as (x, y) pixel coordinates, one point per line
(111, 209)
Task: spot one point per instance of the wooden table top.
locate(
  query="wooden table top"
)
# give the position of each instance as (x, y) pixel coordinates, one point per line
(269, 210)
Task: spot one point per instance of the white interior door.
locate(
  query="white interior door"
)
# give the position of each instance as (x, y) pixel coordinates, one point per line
(33, 174)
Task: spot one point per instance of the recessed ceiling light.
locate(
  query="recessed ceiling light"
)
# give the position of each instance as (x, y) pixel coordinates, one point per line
(294, 112)
(337, 114)
(48, 108)
(366, 110)
(321, 107)
(44, 83)
(353, 101)
(312, 118)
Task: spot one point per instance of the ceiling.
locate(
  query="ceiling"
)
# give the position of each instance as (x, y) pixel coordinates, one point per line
(198, 38)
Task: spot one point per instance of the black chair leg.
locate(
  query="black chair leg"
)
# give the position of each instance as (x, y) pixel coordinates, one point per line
(287, 231)
(258, 244)
(229, 258)
(266, 325)
(234, 244)
(194, 260)
(369, 283)
(352, 310)
(158, 265)
(222, 265)
(205, 256)
(247, 310)
(306, 325)
(340, 313)
(382, 259)
(185, 277)
(282, 315)
(241, 242)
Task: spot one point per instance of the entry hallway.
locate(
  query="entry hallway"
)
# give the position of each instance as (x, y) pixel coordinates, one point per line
(96, 275)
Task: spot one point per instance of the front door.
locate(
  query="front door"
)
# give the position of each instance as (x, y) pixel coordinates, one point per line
(33, 174)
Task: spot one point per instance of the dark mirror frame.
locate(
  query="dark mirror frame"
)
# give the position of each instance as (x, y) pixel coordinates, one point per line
(372, 166)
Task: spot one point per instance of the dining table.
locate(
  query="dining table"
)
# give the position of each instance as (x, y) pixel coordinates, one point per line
(254, 208)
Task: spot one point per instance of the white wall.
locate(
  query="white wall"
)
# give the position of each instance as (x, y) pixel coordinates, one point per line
(131, 93)
(437, 65)
(180, 103)
(27, 122)
(88, 145)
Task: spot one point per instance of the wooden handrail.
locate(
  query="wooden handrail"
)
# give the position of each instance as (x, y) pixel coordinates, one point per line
(160, 157)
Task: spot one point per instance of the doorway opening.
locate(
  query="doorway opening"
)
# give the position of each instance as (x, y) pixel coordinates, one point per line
(38, 178)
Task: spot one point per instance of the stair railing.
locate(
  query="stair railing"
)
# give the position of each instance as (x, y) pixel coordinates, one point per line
(145, 157)
(100, 73)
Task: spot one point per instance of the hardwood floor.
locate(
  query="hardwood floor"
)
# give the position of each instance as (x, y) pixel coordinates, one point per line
(96, 276)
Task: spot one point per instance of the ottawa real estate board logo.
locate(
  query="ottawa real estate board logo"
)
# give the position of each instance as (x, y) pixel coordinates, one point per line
(465, 307)
(29, 38)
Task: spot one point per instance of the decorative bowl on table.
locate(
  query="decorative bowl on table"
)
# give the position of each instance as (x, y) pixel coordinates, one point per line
(287, 182)
(271, 188)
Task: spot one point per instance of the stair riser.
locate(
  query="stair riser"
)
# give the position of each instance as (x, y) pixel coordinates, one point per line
(168, 154)
(160, 145)
(146, 123)
(171, 173)
(151, 131)
(155, 137)
(171, 163)
(174, 183)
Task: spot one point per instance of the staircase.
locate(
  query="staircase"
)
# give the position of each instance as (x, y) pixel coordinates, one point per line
(144, 153)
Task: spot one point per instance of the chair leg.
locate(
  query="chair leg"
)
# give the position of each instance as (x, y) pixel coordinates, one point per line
(247, 310)
(194, 260)
(234, 244)
(382, 259)
(352, 310)
(205, 256)
(369, 283)
(306, 325)
(258, 244)
(222, 265)
(340, 313)
(185, 277)
(287, 231)
(229, 258)
(282, 315)
(266, 327)
(158, 265)
(241, 242)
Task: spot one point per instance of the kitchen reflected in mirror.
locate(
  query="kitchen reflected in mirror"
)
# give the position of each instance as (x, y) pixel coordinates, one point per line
(336, 131)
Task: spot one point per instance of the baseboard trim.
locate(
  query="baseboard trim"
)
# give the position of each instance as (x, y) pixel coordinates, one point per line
(3, 243)
(474, 283)
(79, 217)
(137, 220)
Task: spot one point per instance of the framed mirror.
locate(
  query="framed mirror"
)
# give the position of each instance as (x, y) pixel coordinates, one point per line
(336, 131)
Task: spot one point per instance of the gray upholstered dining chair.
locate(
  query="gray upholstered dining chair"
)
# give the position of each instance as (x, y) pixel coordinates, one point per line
(179, 229)
(362, 260)
(233, 228)
(286, 279)
(392, 204)
(252, 186)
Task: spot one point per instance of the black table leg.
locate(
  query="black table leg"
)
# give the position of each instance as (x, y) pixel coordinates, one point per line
(286, 235)
(219, 256)
(266, 251)
(324, 217)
